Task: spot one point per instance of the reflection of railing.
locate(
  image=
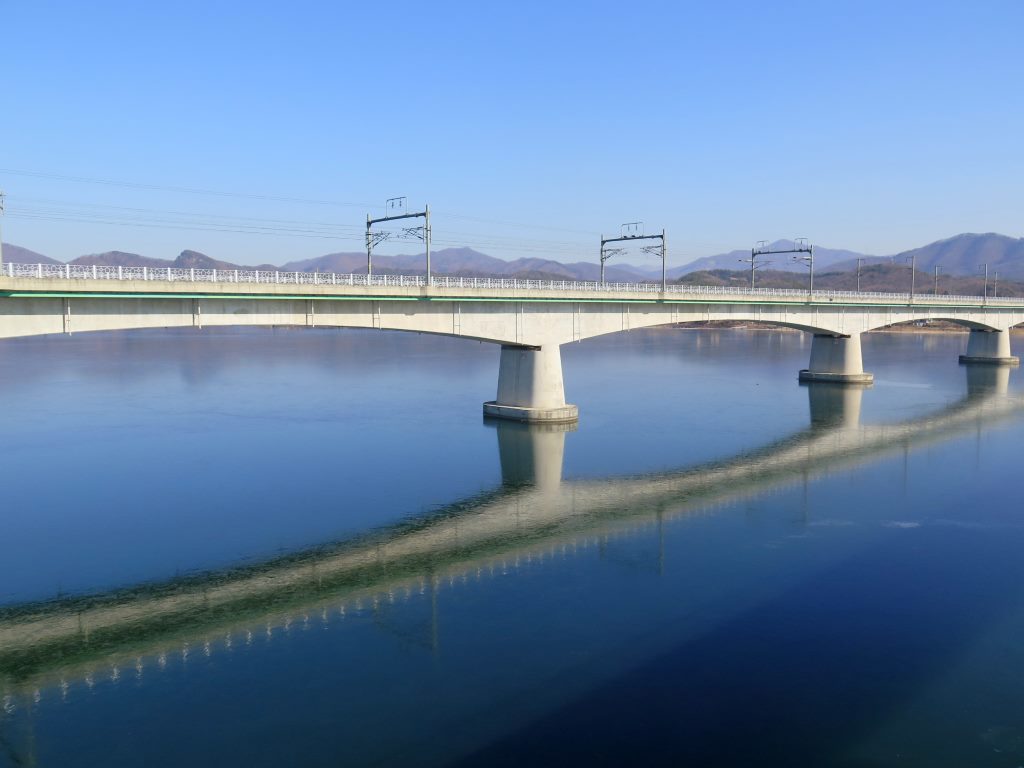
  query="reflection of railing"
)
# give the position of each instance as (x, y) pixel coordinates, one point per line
(268, 277)
(43, 643)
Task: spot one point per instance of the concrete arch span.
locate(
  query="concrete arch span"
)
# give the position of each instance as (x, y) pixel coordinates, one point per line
(50, 315)
(529, 326)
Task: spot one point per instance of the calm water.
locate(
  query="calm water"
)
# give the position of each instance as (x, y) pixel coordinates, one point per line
(307, 548)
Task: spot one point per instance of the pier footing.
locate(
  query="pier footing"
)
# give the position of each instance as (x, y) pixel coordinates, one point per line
(986, 347)
(530, 386)
(836, 360)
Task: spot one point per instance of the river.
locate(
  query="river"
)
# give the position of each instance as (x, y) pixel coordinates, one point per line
(307, 547)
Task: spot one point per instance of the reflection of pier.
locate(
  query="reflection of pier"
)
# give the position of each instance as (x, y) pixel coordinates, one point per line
(535, 515)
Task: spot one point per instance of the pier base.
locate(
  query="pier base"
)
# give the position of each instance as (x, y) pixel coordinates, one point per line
(989, 348)
(530, 386)
(836, 359)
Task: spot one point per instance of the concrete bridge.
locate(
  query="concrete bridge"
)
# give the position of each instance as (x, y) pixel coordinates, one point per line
(530, 319)
(534, 515)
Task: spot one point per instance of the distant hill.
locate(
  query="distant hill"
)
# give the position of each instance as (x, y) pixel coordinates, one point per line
(960, 255)
(15, 254)
(185, 260)
(466, 262)
(119, 259)
(823, 258)
(965, 254)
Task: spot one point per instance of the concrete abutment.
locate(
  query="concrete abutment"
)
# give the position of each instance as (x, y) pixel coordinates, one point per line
(530, 386)
(837, 360)
(989, 347)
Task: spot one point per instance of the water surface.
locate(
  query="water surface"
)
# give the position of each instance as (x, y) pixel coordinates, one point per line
(307, 547)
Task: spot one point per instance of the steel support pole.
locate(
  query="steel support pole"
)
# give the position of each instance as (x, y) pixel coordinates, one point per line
(810, 283)
(426, 239)
(369, 250)
(664, 258)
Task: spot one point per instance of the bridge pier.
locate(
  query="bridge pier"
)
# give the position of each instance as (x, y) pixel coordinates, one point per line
(989, 348)
(530, 386)
(836, 359)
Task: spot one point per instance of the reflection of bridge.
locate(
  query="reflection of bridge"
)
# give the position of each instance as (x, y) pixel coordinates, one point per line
(534, 515)
(530, 319)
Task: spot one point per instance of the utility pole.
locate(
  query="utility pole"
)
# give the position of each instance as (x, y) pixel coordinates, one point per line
(757, 250)
(805, 252)
(1, 230)
(664, 261)
(984, 294)
(913, 273)
(935, 289)
(860, 263)
(995, 286)
(802, 250)
(607, 253)
(632, 231)
(418, 233)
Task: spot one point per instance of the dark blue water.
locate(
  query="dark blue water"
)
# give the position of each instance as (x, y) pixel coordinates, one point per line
(307, 547)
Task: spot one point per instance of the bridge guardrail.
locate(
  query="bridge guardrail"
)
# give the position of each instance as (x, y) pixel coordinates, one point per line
(268, 277)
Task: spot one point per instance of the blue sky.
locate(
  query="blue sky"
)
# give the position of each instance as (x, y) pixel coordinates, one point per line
(529, 128)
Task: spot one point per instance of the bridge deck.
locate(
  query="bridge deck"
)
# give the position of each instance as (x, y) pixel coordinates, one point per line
(66, 280)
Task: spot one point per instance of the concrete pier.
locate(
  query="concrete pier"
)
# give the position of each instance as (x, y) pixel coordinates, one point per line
(989, 348)
(837, 360)
(530, 386)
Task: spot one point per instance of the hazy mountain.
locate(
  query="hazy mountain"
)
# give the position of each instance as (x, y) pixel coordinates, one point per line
(197, 260)
(784, 262)
(463, 261)
(120, 259)
(960, 255)
(966, 254)
(15, 254)
(185, 260)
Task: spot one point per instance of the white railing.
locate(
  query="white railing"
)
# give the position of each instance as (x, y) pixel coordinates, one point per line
(253, 277)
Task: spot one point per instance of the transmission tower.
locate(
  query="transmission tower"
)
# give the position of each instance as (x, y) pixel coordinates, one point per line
(753, 262)
(801, 250)
(398, 205)
(634, 231)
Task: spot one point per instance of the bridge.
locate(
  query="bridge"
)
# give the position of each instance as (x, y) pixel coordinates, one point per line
(529, 319)
(534, 515)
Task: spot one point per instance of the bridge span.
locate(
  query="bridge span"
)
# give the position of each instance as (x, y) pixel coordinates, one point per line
(529, 319)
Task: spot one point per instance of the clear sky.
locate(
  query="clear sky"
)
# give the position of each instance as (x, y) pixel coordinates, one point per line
(530, 127)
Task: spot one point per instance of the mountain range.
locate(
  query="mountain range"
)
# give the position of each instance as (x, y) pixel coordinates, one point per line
(960, 255)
